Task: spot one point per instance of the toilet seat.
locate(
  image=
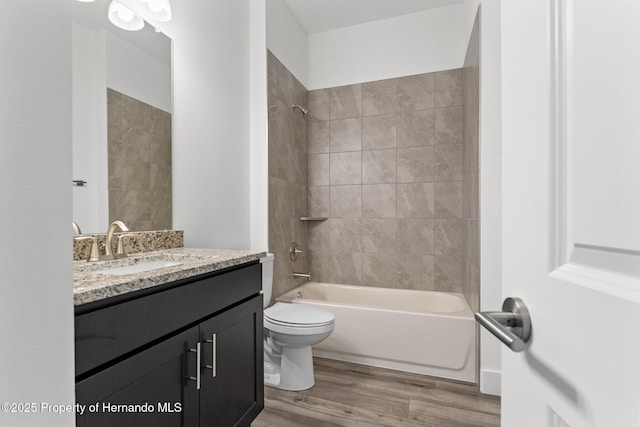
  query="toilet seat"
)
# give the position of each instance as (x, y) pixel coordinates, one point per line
(298, 319)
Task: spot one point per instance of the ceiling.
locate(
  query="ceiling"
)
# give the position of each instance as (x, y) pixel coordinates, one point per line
(322, 15)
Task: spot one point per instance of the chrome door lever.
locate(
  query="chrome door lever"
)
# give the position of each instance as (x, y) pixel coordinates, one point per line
(514, 315)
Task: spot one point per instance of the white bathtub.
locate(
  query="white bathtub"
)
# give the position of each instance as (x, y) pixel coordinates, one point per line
(430, 333)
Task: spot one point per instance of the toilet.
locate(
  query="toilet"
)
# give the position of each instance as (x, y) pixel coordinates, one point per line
(289, 332)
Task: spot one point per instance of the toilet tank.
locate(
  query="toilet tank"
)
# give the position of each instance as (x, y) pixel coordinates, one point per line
(267, 278)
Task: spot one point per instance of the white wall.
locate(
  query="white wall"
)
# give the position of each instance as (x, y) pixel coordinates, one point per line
(36, 283)
(287, 40)
(137, 74)
(490, 183)
(432, 40)
(211, 126)
(259, 162)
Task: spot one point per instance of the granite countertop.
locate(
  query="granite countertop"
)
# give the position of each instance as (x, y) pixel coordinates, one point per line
(89, 285)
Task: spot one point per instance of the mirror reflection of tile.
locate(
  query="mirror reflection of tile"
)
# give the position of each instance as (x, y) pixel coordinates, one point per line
(139, 146)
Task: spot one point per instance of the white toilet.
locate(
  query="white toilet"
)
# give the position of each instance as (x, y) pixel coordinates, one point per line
(289, 332)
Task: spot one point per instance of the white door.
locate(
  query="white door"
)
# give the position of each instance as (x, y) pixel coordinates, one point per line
(571, 210)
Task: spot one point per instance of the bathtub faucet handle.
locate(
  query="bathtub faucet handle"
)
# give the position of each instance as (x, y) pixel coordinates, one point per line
(294, 251)
(306, 275)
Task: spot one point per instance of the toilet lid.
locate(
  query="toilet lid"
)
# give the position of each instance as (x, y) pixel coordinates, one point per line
(298, 314)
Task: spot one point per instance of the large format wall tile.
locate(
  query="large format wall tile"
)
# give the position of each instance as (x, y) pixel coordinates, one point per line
(318, 135)
(318, 201)
(449, 125)
(345, 235)
(415, 236)
(414, 272)
(448, 199)
(378, 166)
(379, 270)
(380, 97)
(346, 135)
(379, 235)
(448, 273)
(345, 102)
(379, 132)
(379, 201)
(319, 102)
(318, 169)
(416, 128)
(449, 162)
(281, 198)
(398, 271)
(416, 92)
(416, 200)
(320, 236)
(319, 266)
(345, 268)
(345, 201)
(448, 237)
(449, 88)
(345, 168)
(416, 164)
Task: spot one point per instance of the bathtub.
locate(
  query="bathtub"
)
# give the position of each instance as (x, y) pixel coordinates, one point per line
(431, 333)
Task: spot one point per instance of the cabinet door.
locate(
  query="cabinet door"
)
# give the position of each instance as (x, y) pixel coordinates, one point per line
(233, 353)
(157, 378)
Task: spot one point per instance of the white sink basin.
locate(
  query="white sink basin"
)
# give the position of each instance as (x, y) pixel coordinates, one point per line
(138, 268)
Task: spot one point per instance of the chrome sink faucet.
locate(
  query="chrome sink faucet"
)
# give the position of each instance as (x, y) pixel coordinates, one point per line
(108, 250)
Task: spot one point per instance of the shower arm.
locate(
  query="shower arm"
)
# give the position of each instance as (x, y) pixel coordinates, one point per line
(305, 111)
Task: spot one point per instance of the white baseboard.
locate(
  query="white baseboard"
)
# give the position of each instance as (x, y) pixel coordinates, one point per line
(490, 382)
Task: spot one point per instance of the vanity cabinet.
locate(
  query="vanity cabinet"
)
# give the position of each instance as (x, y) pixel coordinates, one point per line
(188, 354)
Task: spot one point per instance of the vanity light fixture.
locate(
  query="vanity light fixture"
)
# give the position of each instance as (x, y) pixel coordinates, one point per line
(160, 10)
(123, 17)
(154, 12)
(130, 15)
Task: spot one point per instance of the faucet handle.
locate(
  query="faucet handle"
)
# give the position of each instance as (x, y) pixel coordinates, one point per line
(120, 253)
(95, 254)
(108, 250)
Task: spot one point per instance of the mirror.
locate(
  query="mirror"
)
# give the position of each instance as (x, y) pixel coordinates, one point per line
(121, 123)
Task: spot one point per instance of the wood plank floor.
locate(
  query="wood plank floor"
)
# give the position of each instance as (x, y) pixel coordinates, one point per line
(348, 394)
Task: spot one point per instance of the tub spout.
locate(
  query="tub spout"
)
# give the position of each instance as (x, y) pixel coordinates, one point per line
(306, 275)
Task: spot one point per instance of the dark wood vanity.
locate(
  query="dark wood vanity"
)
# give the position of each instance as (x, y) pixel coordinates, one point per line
(186, 353)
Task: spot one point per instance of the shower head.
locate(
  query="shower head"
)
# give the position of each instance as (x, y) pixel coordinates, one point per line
(304, 110)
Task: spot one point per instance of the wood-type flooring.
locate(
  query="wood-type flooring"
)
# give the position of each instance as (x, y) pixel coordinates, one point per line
(348, 394)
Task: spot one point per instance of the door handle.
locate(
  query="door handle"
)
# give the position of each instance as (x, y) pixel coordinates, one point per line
(512, 325)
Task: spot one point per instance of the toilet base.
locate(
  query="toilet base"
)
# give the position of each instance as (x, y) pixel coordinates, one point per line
(292, 370)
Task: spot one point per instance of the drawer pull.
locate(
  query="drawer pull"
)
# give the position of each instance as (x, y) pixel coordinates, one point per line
(213, 342)
(198, 353)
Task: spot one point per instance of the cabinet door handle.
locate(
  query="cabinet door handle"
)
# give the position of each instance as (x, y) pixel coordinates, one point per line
(214, 344)
(198, 353)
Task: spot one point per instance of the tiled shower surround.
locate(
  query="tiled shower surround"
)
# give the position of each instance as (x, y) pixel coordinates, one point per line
(287, 175)
(139, 144)
(386, 167)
